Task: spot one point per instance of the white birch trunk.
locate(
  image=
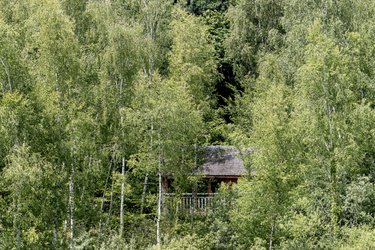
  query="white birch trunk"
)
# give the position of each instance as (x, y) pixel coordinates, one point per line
(8, 75)
(16, 221)
(71, 206)
(195, 157)
(330, 110)
(102, 203)
(122, 197)
(158, 236)
(18, 244)
(54, 234)
(271, 235)
(2, 89)
(160, 197)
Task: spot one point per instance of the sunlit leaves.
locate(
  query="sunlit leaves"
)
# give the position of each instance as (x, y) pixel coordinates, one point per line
(164, 121)
(31, 184)
(192, 58)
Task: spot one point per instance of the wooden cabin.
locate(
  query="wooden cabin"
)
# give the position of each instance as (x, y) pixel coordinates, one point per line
(219, 164)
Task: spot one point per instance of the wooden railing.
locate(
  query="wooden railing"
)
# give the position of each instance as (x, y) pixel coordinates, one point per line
(189, 201)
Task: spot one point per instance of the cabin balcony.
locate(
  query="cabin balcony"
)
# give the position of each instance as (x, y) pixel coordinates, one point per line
(189, 202)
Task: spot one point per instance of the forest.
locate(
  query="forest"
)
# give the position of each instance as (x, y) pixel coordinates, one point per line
(100, 99)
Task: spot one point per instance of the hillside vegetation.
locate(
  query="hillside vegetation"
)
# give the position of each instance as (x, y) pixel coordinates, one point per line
(102, 98)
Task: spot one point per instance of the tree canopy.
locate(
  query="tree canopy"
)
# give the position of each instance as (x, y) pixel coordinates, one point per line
(102, 100)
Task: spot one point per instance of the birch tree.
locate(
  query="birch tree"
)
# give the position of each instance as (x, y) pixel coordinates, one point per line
(255, 27)
(13, 73)
(264, 199)
(327, 89)
(308, 122)
(176, 122)
(29, 180)
(192, 57)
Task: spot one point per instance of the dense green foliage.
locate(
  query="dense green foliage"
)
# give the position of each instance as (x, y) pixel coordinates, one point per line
(100, 98)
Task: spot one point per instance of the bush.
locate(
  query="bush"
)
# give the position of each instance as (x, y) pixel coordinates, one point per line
(357, 238)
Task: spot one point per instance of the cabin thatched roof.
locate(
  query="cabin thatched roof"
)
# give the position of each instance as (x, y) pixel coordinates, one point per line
(222, 161)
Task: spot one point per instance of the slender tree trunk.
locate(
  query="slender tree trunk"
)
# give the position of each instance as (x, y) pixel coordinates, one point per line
(110, 206)
(192, 207)
(122, 197)
(102, 203)
(145, 183)
(18, 242)
(82, 194)
(2, 89)
(333, 171)
(271, 234)
(334, 199)
(16, 221)
(71, 205)
(54, 234)
(121, 85)
(158, 236)
(151, 26)
(65, 226)
(259, 20)
(8, 75)
(65, 222)
(195, 158)
(194, 194)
